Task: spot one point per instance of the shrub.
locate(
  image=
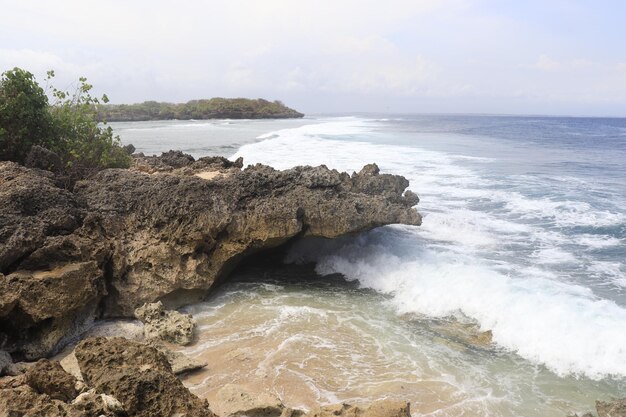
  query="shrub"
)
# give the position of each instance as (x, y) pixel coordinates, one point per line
(69, 126)
(24, 117)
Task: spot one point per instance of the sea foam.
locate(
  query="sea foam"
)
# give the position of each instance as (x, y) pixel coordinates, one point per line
(492, 253)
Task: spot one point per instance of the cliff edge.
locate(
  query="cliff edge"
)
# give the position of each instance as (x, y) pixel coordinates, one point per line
(166, 230)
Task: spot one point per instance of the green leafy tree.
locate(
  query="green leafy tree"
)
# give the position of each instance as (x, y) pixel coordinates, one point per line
(24, 117)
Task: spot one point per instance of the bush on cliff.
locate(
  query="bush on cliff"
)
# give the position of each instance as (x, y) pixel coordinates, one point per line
(68, 127)
(24, 117)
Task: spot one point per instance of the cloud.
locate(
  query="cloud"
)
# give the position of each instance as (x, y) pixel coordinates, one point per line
(546, 63)
(361, 55)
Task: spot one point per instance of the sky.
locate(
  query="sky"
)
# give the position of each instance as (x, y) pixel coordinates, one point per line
(553, 57)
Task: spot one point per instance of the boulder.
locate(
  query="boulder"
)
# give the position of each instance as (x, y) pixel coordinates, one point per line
(38, 309)
(615, 408)
(380, 408)
(6, 363)
(50, 378)
(94, 404)
(24, 401)
(179, 362)
(137, 375)
(235, 401)
(42, 158)
(161, 324)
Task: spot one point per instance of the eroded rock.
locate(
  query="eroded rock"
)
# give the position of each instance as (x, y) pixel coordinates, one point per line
(124, 238)
(137, 375)
(167, 325)
(236, 401)
(179, 362)
(380, 408)
(615, 408)
(49, 378)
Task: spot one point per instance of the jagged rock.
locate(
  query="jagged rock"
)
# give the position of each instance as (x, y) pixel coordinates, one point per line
(95, 404)
(42, 158)
(129, 149)
(179, 362)
(615, 408)
(137, 375)
(235, 401)
(380, 408)
(124, 238)
(49, 378)
(24, 401)
(6, 363)
(70, 365)
(167, 325)
(48, 305)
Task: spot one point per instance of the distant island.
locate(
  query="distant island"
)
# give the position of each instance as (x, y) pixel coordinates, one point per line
(214, 108)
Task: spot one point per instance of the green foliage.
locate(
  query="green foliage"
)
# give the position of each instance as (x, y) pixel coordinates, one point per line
(80, 141)
(24, 117)
(215, 108)
(69, 126)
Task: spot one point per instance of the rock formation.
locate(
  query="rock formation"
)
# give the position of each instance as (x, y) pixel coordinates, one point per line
(159, 232)
(170, 326)
(138, 376)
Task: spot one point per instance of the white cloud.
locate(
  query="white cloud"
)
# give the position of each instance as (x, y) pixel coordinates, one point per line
(362, 54)
(546, 63)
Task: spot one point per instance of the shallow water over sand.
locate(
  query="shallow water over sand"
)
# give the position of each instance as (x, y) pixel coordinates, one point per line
(312, 340)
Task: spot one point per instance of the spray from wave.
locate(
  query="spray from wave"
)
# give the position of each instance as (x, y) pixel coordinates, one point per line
(513, 261)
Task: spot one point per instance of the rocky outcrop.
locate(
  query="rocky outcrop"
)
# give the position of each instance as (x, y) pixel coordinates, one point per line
(380, 408)
(170, 326)
(235, 401)
(49, 378)
(124, 237)
(615, 408)
(179, 362)
(137, 375)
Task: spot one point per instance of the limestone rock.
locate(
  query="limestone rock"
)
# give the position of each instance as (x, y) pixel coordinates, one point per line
(49, 378)
(50, 304)
(24, 401)
(70, 365)
(6, 363)
(235, 401)
(42, 158)
(615, 408)
(95, 404)
(380, 408)
(179, 362)
(162, 324)
(124, 238)
(137, 375)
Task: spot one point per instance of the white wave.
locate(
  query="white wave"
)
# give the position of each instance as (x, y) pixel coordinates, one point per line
(614, 270)
(560, 325)
(596, 241)
(554, 255)
(448, 266)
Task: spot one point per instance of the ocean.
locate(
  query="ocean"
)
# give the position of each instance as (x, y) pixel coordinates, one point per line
(523, 235)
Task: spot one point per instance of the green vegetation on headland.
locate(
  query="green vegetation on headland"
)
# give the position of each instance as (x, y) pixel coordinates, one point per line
(63, 135)
(215, 108)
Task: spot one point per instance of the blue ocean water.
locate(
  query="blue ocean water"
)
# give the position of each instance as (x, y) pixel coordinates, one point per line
(524, 229)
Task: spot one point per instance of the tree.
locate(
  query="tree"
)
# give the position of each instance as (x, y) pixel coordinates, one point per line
(24, 117)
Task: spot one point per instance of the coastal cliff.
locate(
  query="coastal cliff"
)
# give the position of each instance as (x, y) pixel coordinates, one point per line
(166, 230)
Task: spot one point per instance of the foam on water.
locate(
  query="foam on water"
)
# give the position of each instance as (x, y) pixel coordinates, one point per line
(505, 256)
